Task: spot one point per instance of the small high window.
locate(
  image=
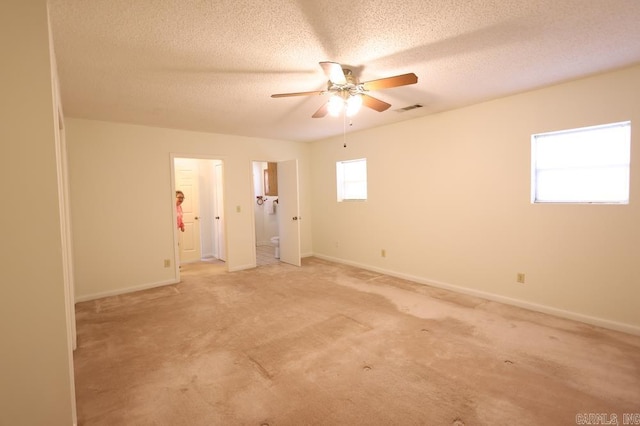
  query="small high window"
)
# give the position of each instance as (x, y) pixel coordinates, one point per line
(586, 165)
(352, 179)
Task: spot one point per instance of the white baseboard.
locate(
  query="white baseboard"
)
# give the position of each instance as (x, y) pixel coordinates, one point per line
(600, 322)
(119, 291)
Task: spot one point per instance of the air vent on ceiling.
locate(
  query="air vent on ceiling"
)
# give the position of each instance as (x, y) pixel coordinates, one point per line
(408, 108)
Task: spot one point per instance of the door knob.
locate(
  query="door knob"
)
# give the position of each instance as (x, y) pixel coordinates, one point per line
(295, 218)
(218, 217)
(196, 218)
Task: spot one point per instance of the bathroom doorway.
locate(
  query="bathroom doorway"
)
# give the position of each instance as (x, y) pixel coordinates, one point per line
(276, 212)
(265, 210)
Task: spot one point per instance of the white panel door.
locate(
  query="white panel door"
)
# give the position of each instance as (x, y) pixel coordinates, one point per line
(187, 181)
(288, 212)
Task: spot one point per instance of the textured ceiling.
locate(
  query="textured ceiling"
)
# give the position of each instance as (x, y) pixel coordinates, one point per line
(211, 65)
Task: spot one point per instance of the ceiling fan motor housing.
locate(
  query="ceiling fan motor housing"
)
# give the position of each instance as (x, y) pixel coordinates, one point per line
(350, 88)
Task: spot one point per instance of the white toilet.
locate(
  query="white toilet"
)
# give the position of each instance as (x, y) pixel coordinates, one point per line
(276, 243)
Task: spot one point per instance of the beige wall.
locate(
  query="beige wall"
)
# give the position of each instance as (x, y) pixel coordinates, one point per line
(35, 372)
(449, 201)
(122, 202)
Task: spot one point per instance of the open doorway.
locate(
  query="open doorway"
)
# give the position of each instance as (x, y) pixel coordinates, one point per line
(201, 182)
(265, 212)
(276, 208)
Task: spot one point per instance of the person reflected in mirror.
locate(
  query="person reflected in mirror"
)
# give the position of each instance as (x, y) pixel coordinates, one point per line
(179, 200)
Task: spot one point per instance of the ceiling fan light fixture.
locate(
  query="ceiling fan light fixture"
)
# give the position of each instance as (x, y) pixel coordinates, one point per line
(354, 102)
(335, 105)
(348, 94)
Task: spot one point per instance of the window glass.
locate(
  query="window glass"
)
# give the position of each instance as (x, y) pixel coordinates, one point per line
(352, 179)
(587, 165)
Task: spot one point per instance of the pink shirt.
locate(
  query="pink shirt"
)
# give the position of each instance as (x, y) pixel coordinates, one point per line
(179, 214)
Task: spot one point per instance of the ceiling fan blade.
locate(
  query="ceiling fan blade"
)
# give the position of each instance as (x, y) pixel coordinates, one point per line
(334, 71)
(286, 95)
(322, 111)
(386, 83)
(374, 103)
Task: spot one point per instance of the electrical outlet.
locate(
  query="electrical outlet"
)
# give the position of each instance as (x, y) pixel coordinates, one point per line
(167, 263)
(383, 253)
(520, 278)
(238, 209)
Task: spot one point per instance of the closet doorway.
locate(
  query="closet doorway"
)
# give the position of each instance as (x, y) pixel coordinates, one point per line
(201, 181)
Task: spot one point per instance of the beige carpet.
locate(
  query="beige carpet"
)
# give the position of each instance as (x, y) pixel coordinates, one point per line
(328, 344)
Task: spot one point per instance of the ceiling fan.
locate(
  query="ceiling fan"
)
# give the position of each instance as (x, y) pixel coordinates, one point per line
(346, 92)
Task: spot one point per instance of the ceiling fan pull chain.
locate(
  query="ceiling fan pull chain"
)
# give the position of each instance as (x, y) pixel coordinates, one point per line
(344, 128)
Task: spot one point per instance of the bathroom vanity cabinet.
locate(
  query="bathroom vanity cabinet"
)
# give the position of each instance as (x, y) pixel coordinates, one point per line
(271, 179)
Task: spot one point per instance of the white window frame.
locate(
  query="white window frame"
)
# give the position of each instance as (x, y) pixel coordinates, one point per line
(350, 187)
(588, 165)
